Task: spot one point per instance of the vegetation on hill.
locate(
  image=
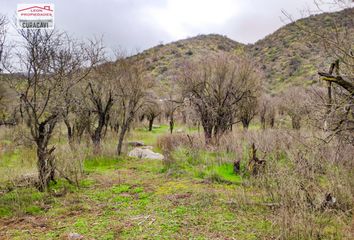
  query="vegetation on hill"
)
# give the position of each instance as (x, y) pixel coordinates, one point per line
(163, 59)
(291, 56)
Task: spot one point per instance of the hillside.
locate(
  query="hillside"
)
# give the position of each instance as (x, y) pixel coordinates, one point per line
(288, 57)
(164, 58)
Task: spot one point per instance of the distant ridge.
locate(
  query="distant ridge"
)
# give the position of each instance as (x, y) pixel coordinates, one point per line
(286, 57)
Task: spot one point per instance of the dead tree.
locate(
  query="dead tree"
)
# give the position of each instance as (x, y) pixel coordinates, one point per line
(255, 165)
(237, 166)
(339, 114)
(344, 82)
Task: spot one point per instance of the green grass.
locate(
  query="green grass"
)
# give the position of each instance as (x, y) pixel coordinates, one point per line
(120, 189)
(101, 163)
(16, 162)
(127, 198)
(217, 167)
(150, 137)
(226, 172)
(147, 137)
(21, 201)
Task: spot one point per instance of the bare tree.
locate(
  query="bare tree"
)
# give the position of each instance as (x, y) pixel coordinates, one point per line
(294, 102)
(8, 108)
(248, 106)
(81, 61)
(173, 101)
(151, 109)
(133, 86)
(3, 104)
(267, 110)
(101, 97)
(3, 35)
(52, 68)
(114, 118)
(248, 110)
(216, 87)
(76, 114)
(3, 31)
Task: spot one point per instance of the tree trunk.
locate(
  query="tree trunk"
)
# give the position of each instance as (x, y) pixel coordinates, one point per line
(46, 167)
(45, 159)
(245, 123)
(97, 135)
(96, 140)
(208, 131)
(70, 131)
(216, 131)
(123, 130)
(237, 166)
(272, 122)
(263, 122)
(116, 127)
(151, 122)
(172, 123)
(184, 117)
(295, 121)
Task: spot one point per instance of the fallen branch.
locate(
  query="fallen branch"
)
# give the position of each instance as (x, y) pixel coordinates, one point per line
(344, 83)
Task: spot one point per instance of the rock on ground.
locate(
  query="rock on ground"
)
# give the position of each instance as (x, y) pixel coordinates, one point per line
(75, 236)
(180, 130)
(145, 153)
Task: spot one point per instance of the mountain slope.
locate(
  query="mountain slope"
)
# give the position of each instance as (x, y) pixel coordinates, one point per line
(162, 60)
(290, 56)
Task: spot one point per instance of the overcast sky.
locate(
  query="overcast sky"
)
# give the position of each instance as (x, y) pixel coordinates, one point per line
(140, 24)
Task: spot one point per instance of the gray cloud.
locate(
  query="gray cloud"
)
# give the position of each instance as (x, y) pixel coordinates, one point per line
(140, 24)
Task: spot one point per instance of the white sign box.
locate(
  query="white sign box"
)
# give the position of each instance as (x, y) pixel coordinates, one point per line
(35, 16)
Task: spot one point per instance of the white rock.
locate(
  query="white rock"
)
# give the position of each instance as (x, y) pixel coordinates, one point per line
(75, 236)
(145, 153)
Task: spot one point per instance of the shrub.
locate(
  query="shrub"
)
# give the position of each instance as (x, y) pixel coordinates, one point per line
(170, 142)
(308, 183)
(189, 53)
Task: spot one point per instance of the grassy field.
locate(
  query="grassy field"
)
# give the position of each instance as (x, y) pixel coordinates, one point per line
(132, 199)
(127, 198)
